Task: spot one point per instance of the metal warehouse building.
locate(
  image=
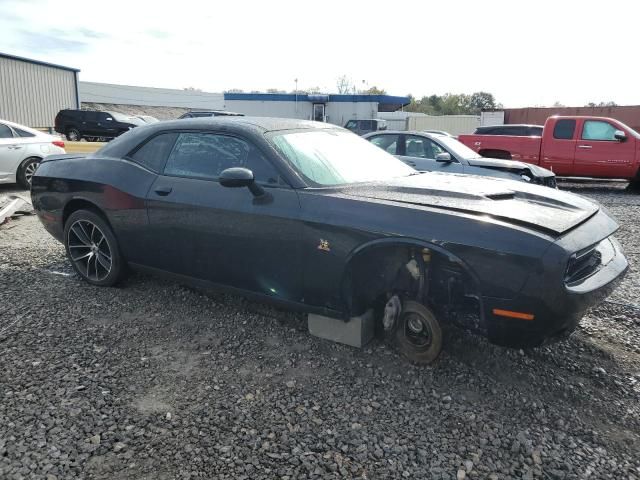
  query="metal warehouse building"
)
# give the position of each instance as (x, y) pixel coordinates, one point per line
(32, 92)
(165, 103)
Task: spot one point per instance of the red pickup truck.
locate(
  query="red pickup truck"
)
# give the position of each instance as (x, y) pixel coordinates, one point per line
(594, 147)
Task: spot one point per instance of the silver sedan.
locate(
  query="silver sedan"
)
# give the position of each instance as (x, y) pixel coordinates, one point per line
(434, 152)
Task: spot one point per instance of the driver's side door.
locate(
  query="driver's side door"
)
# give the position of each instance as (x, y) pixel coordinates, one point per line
(201, 229)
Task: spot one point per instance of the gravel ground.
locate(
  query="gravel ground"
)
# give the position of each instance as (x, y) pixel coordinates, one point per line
(153, 380)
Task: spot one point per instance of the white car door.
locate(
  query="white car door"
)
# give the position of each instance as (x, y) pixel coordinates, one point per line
(11, 153)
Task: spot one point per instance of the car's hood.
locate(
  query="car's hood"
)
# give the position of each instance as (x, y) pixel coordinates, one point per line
(511, 165)
(532, 206)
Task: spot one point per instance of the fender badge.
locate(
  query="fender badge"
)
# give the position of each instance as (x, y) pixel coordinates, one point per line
(324, 245)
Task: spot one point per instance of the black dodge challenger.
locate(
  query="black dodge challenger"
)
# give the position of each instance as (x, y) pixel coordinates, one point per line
(313, 217)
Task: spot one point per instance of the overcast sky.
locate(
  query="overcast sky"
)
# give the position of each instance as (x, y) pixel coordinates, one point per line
(526, 53)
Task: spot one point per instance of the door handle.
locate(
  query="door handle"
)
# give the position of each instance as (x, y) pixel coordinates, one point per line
(163, 191)
(585, 146)
(14, 147)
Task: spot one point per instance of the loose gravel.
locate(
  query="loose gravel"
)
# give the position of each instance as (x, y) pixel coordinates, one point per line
(153, 380)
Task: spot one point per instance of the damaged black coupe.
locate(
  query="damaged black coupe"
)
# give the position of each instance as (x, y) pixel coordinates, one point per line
(313, 217)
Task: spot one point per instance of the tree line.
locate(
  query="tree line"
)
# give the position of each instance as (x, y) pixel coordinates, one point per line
(453, 104)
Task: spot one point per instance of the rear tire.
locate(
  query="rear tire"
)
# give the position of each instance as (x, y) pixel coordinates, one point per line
(634, 186)
(418, 335)
(73, 135)
(92, 249)
(26, 170)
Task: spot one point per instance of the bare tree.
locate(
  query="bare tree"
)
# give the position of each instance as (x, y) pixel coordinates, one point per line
(345, 85)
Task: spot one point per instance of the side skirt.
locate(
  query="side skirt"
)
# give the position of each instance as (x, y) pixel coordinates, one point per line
(259, 297)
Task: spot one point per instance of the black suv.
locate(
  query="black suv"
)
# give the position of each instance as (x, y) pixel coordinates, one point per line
(210, 113)
(79, 124)
(365, 126)
(513, 130)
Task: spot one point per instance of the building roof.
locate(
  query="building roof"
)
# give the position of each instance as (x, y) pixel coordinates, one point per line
(37, 62)
(303, 97)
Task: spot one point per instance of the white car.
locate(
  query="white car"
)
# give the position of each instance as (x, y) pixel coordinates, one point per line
(21, 150)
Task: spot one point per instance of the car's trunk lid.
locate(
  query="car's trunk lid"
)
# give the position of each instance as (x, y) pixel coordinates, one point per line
(539, 208)
(63, 156)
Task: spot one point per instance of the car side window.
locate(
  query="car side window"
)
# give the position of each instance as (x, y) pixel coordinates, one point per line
(388, 143)
(5, 131)
(154, 153)
(23, 133)
(598, 130)
(92, 116)
(422, 147)
(564, 129)
(206, 155)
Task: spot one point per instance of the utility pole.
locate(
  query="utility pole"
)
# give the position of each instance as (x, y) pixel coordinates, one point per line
(296, 80)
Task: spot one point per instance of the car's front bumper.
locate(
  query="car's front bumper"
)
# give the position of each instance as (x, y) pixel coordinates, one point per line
(554, 319)
(555, 304)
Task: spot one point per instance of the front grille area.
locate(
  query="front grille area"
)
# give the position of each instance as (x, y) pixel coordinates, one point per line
(583, 264)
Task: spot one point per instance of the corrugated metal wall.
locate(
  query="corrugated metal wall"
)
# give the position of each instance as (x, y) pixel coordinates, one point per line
(92, 92)
(454, 124)
(32, 94)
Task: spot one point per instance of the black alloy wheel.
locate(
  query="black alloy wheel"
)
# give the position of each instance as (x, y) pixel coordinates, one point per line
(92, 248)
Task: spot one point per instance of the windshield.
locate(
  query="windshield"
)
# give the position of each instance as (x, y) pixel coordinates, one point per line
(332, 157)
(457, 148)
(119, 117)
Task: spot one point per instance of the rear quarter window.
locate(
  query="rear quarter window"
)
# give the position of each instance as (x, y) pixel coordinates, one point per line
(23, 133)
(154, 153)
(564, 129)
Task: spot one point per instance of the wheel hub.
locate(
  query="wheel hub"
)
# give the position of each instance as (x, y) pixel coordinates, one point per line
(417, 330)
(415, 324)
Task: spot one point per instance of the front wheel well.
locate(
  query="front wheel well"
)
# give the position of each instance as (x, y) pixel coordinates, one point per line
(425, 274)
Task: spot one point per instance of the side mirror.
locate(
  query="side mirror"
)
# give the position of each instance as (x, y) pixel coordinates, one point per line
(110, 119)
(444, 157)
(240, 177)
(620, 135)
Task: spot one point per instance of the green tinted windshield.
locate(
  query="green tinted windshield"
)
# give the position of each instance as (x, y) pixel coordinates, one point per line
(334, 157)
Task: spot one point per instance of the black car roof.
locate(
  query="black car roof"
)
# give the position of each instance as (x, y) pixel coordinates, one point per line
(248, 126)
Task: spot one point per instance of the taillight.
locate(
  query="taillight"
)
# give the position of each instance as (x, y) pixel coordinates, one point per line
(58, 143)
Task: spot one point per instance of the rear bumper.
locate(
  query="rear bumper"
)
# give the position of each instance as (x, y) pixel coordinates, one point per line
(557, 313)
